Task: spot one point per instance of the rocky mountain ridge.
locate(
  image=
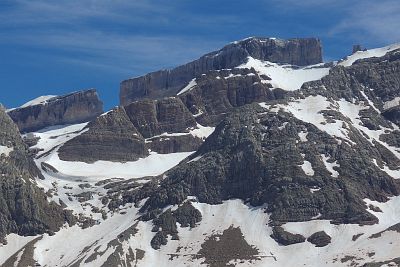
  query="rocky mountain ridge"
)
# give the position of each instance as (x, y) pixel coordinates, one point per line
(72, 108)
(274, 158)
(164, 83)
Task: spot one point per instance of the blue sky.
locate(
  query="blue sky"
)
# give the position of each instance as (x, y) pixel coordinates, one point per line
(55, 47)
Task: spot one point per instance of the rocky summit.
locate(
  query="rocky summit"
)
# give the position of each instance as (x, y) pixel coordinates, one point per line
(257, 154)
(163, 83)
(56, 110)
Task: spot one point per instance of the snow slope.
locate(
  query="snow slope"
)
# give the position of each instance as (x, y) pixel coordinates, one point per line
(252, 221)
(377, 52)
(4, 150)
(41, 100)
(286, 77)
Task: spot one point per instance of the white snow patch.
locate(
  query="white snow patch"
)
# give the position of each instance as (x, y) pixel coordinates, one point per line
(377, 52)
(395, 174)
(303, 136)
(202, 131)
(286, 77)
(315, 189)
(329, 166)
(392, 103)
(188, 87)
(307, 168)
(370, 102)
(309, 110)
(41, 100)
(4, 150)
(195, 159)
(14, 243)
(54, 136)
(153, 165)
(283, 126)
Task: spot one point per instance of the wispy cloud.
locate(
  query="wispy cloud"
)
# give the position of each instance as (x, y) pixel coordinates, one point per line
(360, 20)
(104, 34)
(371, 21)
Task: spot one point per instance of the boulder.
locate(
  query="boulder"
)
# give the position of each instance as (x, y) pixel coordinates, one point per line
(286, 238)
(320, 239)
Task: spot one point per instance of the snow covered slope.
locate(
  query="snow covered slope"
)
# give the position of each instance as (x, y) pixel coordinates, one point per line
(286, 77)
(377, 52)
(37, 101)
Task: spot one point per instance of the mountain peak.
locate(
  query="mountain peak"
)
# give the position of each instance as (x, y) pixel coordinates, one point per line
(296, 51)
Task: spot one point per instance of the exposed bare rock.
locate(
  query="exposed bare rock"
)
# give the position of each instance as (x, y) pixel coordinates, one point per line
(73, 108)
(319, 239)
(216, 93)
(168, 82)
(154, 117)
(286, 238)
(111, 137)
(24, 208)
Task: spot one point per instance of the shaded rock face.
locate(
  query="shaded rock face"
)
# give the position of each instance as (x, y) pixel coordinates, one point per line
(173, 144)
(168, 82)
(154, 117)
(377, 79)
(110, 137)
(217, 93)
(251, 156)
(68, 109)
(24, 208)
(119, 135)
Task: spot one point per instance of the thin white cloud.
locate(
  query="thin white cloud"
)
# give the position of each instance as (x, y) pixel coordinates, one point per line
(67, 27)
(116, 51)
(371, 21)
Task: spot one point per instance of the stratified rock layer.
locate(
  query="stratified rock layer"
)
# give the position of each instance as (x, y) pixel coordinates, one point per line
(154, 117)
(119, 135)
(168, 82)
(110, 137)
(217, 93)
(73, 108)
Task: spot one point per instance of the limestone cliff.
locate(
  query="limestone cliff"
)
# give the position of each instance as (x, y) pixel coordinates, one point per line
(72, 108)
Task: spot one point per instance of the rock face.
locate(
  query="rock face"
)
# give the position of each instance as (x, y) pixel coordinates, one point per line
(127, 134)
(257, 156)
(154, 117)
(111, 137)
(371, 79)
(215, 93)
(68, 109)
(168, 82)
(24, 208)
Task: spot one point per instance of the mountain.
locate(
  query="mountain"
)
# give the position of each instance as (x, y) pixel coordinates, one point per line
(257, 154)
(57, 110)
(163, 83)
